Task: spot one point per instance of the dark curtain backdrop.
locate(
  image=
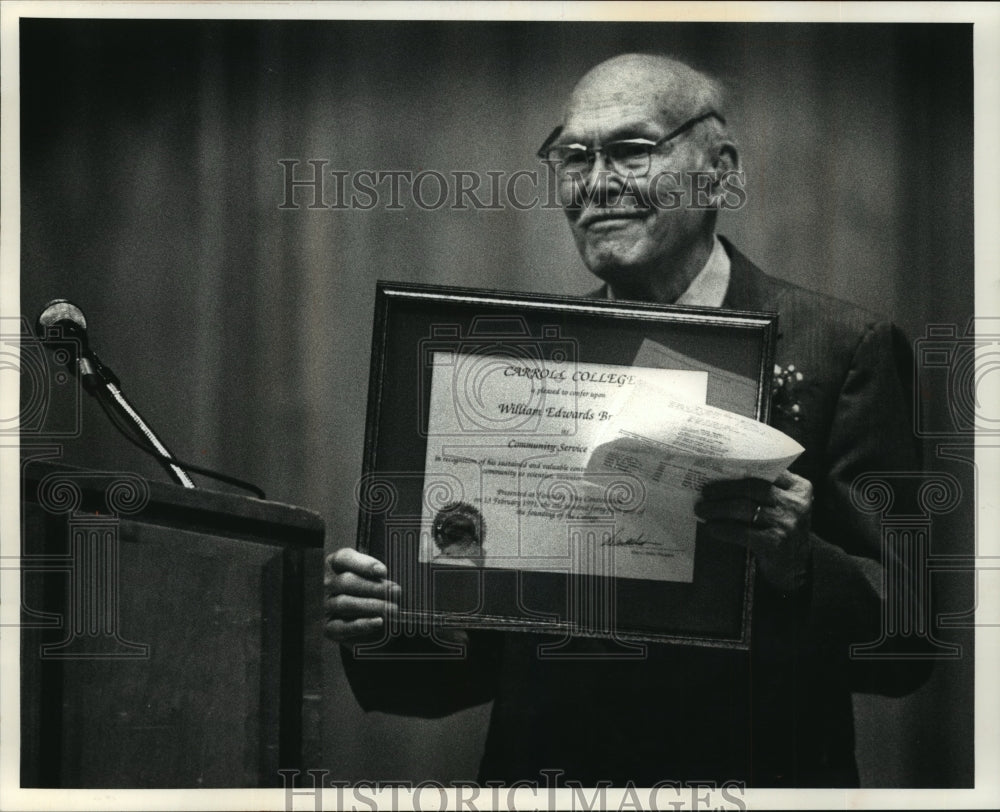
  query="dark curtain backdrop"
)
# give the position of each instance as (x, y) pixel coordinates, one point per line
(151, 195)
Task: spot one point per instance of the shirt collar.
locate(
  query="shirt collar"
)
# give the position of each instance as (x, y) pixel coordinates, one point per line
(708, 288)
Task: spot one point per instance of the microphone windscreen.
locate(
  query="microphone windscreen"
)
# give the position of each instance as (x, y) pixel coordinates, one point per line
(64, 313)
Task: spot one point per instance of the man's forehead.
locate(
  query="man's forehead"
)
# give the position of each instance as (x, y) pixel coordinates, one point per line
(633, 90)
(617, 115)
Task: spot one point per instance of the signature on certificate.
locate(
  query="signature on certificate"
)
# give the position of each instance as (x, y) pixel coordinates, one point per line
(617, 540)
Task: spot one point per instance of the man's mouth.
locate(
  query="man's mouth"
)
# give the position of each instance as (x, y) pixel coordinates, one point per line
(590, 217)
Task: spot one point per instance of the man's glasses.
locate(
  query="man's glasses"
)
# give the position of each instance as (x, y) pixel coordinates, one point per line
(629, 156)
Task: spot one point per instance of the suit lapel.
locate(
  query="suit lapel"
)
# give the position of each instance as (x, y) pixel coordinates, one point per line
(748, 285)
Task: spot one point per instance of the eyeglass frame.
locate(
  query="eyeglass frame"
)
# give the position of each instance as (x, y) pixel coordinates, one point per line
(592, 152)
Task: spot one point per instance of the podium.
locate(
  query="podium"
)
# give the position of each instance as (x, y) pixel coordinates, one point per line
(162, 633)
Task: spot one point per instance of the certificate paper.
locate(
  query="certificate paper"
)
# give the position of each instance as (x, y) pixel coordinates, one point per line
(507, 482)
(592, 469)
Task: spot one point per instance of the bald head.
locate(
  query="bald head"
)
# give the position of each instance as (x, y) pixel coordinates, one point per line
(673, 90)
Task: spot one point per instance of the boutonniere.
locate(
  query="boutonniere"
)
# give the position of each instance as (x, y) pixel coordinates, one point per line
(784, 392)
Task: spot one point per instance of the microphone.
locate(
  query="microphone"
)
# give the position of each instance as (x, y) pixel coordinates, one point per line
(61, 316)
(65, 319)
(61, 313)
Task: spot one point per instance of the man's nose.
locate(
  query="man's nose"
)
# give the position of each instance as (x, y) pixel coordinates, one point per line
(600, 171)
(598, 186)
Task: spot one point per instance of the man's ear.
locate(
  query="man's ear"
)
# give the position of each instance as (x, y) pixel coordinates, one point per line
(726, 158)
(725, 164)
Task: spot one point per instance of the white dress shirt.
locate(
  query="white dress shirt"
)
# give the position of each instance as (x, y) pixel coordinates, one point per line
(708, 288)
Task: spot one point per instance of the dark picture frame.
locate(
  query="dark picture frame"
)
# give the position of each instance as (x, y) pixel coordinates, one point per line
(411, 324)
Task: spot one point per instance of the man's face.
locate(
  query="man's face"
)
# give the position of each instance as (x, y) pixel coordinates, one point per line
(626, 228)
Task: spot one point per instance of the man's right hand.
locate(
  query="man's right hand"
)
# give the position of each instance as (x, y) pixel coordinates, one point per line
(359, 596)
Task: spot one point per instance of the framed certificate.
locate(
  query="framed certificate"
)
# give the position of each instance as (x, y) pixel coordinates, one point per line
(531, 462)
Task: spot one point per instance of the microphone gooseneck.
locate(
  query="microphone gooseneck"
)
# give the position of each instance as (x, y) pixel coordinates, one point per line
(61, 319)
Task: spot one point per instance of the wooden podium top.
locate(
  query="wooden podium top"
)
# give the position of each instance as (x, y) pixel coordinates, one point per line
(58, 487)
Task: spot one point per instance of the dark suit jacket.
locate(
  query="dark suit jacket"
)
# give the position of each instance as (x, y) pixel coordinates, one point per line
(778, 716)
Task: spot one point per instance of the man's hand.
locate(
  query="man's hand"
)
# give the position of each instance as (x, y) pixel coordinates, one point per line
(358, 595)
(772, 521)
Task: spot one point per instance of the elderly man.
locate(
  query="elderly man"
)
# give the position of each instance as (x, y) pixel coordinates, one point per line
(635, 130)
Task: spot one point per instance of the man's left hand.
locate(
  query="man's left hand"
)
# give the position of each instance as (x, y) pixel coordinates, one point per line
(771, 520)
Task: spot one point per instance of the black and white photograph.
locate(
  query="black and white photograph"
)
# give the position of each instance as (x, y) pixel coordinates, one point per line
(499, 406)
